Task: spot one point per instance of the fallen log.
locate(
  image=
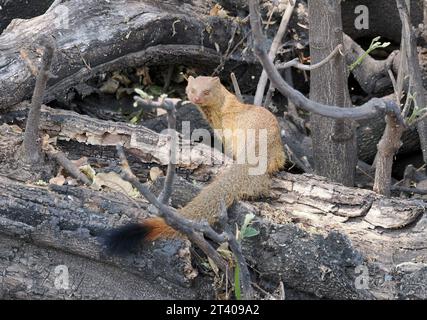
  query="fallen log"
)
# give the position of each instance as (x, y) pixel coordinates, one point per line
(314, 236)
(133, 33)
(77, 132)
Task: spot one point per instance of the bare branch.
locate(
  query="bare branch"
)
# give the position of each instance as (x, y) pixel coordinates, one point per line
(168, 78)
(296, 64)
(68, 166)
(193, 230)
(236, 87)
(409, 190)
(32, 147)
(229, 53)
(170, 106)
(390, 141)
(394, 83)
(273, 51)
(366, 111)
(166, 193)
(173, 218)
(166, 104)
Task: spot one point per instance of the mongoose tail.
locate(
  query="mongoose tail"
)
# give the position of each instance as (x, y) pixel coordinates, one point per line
(233, 184)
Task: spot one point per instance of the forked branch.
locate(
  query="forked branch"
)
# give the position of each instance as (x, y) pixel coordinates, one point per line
(366, 111)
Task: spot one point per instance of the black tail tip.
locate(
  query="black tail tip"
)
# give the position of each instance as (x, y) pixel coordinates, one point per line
(124, 239)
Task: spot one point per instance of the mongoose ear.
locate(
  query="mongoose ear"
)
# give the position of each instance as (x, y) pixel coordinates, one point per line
(216, 80)
(190, 78)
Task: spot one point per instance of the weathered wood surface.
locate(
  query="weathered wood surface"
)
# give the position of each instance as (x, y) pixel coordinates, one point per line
(313, 237)
(127, 36)
(41, 229)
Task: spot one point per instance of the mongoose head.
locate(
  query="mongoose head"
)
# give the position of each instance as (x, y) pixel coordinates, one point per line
(203, 91)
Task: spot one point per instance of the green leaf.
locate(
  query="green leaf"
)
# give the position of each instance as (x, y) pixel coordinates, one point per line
(237, 291)
(250, 232)
(375, 40)
(134, 120)
(374, 45)
(143, 94)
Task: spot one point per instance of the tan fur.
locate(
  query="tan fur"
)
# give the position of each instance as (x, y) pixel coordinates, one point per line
(223, 111)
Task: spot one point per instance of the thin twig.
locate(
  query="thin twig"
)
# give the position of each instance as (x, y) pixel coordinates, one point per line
(236, 87)
(170, 106)
(68, 166)
(296, 64)
(269, 95)
(168, 78)
(394, 83)
(193, 230)
(303, 165)
(409, 190)
(166, 193)
(173, 218)
(407, 106)
(229, 53)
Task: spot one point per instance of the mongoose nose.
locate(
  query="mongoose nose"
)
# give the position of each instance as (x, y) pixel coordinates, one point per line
(197, 100)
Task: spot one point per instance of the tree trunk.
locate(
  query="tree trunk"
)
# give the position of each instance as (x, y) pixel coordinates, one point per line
(334, 142)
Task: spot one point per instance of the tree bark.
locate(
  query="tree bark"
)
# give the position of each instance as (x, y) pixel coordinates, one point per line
(334, 142)
(138, 33)
(313, 236)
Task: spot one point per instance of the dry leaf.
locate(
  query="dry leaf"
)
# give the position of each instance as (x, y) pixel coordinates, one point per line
(144, 72)
(113, 181)
(110, 86)
(59, 180)
(213, 266)
(218, 11)
(15, 128)
(155, 172)
(80, 162)
(88, 171)
(121, 78)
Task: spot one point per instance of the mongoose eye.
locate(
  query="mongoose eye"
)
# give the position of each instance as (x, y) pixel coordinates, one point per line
(206, 92)
(193, 90)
